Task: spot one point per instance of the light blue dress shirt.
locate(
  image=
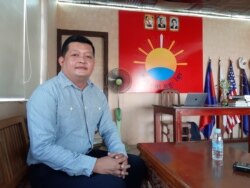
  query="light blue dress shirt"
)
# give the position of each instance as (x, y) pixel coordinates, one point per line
(62, 121)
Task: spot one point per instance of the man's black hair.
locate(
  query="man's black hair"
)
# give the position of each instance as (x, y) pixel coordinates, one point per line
(76, 38)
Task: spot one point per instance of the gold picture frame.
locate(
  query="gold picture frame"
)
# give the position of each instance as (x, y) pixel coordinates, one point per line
(174, 24)
(161, 22)
(149, 21)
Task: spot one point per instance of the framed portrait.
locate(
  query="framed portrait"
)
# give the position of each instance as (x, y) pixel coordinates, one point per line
(161, 22)
(149, 21)
(174, 24)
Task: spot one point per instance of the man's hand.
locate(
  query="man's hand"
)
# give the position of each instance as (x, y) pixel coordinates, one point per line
(115, 164)
(124, 162)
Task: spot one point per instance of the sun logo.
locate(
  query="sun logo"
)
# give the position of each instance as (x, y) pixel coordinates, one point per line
(160, 63)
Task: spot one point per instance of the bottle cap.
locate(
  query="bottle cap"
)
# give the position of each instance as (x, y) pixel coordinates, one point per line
(218, 130)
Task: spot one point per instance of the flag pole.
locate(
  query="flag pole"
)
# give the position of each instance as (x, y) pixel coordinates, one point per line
(244, 90)
(232, 120)
(240, 130)
(207, 122)
(219, 79)
(219, 121)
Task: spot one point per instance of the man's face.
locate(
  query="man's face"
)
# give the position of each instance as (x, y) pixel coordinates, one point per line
(78, 62)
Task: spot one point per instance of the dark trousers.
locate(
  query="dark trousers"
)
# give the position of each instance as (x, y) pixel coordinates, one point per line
(42, 176)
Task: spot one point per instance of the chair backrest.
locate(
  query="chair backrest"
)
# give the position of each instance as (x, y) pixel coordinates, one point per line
(170, 97)
(13, 151)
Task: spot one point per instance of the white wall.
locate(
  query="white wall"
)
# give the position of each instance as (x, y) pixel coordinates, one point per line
(226, 39)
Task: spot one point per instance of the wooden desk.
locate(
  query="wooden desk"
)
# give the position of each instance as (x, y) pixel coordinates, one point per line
(177, 112)
(189, 164)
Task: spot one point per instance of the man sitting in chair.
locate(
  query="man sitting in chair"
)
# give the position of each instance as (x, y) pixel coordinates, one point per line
(63, 115)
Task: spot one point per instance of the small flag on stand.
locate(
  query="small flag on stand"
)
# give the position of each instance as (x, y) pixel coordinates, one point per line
(207, 122)
(245, 91)
(220, 91)
(220, 77)
(232, 120)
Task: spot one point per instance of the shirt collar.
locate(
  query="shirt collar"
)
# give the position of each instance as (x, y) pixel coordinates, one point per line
(65, 82)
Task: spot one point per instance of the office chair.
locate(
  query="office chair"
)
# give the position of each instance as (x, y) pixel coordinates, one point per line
(170, 97)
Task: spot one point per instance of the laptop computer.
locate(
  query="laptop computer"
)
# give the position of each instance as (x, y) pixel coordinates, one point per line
(195, 99)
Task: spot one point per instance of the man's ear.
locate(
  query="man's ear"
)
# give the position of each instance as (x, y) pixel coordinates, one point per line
(60, 60)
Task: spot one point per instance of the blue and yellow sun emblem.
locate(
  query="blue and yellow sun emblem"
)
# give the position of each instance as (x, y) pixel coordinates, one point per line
(160, 63)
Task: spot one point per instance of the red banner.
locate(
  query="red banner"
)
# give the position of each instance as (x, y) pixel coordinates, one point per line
(161, 51)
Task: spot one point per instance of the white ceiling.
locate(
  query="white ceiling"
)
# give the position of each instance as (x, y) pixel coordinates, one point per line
(222, 8)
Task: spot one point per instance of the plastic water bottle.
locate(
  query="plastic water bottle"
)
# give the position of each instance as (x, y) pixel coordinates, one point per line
(217, 145)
